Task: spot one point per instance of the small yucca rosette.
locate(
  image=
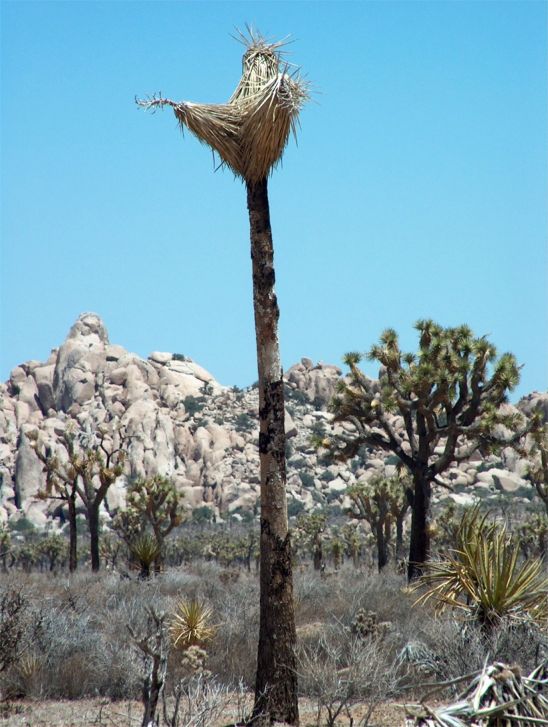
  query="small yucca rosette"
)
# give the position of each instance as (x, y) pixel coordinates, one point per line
(191, 624)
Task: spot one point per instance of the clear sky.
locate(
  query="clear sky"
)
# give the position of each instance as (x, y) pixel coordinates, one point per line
(418, 187)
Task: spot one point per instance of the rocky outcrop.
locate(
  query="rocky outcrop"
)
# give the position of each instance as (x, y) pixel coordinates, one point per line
(180, 422)
(318, 381)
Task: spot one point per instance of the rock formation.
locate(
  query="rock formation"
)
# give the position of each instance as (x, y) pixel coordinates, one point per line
(182, 423)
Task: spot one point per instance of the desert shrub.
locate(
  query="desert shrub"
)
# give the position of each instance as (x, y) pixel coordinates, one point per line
(233, 652)
(202, 515)
(342, 670)
(244, 423)
(444, 649)
(307, 479)
(193, 405)
(13, 608)
(295, 507)
(296, 396)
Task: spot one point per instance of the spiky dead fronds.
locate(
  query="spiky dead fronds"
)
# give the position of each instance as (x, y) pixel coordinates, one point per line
(251, 130)
(498, 695)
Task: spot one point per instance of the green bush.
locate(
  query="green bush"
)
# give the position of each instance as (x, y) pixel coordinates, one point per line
(193, 405)
(307, 479)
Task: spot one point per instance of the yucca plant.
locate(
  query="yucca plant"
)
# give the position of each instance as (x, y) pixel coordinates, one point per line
(484, 578)
(191, 625)
(145, 550)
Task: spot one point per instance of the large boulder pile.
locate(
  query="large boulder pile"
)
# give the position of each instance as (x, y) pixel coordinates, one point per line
(180, 422)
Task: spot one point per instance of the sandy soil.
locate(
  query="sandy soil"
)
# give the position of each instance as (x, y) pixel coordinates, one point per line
(103, 713)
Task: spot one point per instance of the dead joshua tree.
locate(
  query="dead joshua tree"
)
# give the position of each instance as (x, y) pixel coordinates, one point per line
(154, 646)
(92, 463)
(249, 133)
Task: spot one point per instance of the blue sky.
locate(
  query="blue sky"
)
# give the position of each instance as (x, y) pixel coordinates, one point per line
(418, 187)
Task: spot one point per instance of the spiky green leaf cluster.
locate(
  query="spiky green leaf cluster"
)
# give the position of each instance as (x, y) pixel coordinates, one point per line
(145, 549)
(191, 624)
(449, 394)
(378, 499)
(484, 578)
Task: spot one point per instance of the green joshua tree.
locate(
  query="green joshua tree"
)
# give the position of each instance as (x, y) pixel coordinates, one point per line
(153, 505)
(310, 531)
(249, 133)
(447, 398)
(352, 543)
(381, 502)
(52, 547)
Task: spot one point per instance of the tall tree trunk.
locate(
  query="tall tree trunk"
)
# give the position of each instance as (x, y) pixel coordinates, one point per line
(419, 549)
(318, 552)
(382, 550)
(73, 532)
(93, 524)
(399, 537)
(276, 683)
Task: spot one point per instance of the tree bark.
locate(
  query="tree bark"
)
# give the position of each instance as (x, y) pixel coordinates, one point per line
(318, 552)
(419, 549)
(382, 550)
(93, 525)
(399, 537)
(73, 532)
(276, 683)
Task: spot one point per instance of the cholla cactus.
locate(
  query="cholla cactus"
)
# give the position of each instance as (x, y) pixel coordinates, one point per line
(194, 660)
(366, 624)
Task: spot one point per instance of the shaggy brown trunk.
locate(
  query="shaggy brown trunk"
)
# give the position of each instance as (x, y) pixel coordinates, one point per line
(73, 533)
(276, 683)
(419, 549)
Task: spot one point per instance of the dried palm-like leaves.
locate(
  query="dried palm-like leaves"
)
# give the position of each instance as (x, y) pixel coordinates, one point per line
(251, 130)
(497, 697)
